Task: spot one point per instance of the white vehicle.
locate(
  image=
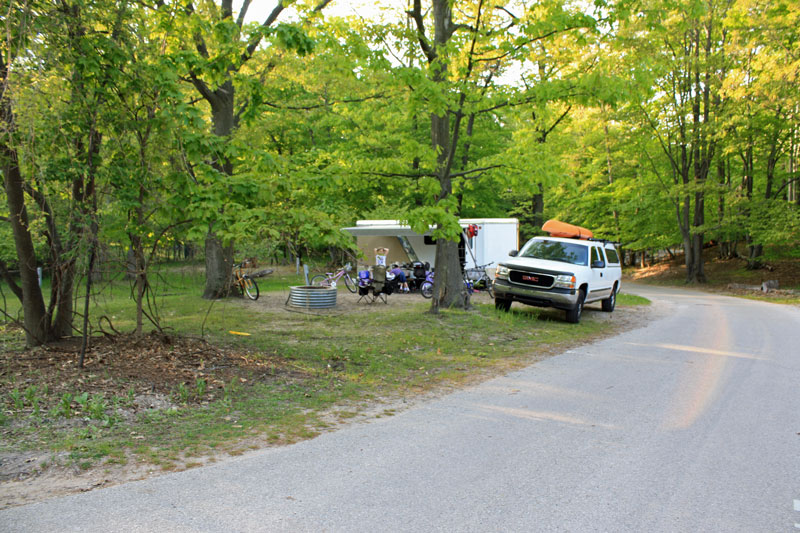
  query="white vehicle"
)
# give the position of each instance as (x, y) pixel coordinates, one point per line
(561, 273)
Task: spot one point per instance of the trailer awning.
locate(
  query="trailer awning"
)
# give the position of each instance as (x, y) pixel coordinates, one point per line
(387, 230)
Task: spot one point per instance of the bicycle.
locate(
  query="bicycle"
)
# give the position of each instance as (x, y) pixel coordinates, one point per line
(478, 275)
(427, 286)
(247, 284)
(330, 279)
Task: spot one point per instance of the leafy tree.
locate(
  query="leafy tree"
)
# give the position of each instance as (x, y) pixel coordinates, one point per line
(681, 58)
(761, 120)
(50, 47)
(216, 51)
(462, 52)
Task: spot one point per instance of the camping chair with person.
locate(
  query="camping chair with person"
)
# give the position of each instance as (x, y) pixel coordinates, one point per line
(375, 285)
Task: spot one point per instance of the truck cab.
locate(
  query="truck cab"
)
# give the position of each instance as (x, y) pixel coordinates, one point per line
(562, 273)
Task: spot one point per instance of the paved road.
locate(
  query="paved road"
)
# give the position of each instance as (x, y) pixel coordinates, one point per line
(690, 424)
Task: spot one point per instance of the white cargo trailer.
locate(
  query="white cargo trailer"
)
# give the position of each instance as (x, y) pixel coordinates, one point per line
(496, 237)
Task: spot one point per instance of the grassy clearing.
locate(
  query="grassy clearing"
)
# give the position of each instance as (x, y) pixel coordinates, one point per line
(327, 368)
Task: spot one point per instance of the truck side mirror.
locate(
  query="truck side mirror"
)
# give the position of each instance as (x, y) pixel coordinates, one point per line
(513, 253)
(598, 264)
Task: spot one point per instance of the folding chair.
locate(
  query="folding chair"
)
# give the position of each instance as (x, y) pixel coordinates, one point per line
(377, 287)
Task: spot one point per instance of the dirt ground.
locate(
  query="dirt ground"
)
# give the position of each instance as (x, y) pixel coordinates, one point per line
(151, 368)
(723, 272)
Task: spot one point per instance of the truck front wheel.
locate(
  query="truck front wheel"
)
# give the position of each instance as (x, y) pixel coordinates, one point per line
(500, 303)
(574, 314)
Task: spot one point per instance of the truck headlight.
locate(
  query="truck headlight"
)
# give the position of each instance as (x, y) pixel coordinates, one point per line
(501, 272)
(565, 281)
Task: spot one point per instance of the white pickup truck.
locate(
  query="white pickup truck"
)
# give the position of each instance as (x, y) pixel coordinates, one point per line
(560, 273)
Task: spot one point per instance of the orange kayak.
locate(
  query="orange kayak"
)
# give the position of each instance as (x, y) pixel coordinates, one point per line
(557, 228)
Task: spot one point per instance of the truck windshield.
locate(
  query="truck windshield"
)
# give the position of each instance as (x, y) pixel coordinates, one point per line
(564, 252)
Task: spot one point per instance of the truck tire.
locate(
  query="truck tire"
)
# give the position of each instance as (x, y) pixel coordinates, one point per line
(574, 314)
(611, 302)
(500, 303)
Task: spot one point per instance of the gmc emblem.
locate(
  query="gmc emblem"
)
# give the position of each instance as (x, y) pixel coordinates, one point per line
(529, 278)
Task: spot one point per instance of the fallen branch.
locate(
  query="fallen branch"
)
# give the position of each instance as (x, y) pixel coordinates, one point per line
(261, 273)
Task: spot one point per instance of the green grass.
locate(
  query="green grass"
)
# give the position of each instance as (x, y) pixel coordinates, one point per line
(337, 359)
(775, 299)
(631, 299)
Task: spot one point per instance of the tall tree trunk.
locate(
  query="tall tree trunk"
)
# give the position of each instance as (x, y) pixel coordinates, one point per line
(219, 262)
(36, 319)
(698, 272)
(449, 290)
(219, 255)
(537, 205)
(35, 315)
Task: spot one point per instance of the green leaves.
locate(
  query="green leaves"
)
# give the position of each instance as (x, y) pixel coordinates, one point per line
(294, 38)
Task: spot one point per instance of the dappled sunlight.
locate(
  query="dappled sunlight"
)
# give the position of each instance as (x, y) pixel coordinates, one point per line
(697, 349)
(544, 416)
(702, 379)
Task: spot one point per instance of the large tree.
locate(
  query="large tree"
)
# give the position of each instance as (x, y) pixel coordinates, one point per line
(222, 47)
(468, 52)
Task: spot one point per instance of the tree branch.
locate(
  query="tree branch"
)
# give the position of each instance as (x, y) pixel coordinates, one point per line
(327, 104)
(512, 15)
(12, 283)
(160, 235)
(416, 16)
(227, 9)
(466, 173)
(44, 206)
(270, 20)
(401, 175)
(242, 13)
(203, 88)
(544, 135)
(529, 41)
(199, 43)
(786, 184)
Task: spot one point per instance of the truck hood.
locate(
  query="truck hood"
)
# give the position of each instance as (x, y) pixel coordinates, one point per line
(541, 265)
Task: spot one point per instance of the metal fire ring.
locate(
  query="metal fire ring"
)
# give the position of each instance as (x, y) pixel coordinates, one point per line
(312, 297)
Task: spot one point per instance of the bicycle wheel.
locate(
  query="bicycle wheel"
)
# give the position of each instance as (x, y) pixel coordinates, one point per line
(320, 280)
(349, 283)
(250, 287)
(427, 289)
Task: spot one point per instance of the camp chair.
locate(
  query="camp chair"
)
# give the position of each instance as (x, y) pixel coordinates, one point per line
(378, 287)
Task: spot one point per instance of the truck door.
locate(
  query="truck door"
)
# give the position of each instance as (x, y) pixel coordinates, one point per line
(601, 283)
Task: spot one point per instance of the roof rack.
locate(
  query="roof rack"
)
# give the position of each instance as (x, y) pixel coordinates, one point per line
(605, 241)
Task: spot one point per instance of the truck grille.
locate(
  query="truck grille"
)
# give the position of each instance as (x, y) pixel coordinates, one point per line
(533, 279)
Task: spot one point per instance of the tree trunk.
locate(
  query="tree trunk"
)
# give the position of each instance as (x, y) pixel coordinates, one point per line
(449, 290)
(448, 284)
(219, 258)
(538, 207)
(698, 270)
(36, 319)
(219, 262)
(36, 322)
